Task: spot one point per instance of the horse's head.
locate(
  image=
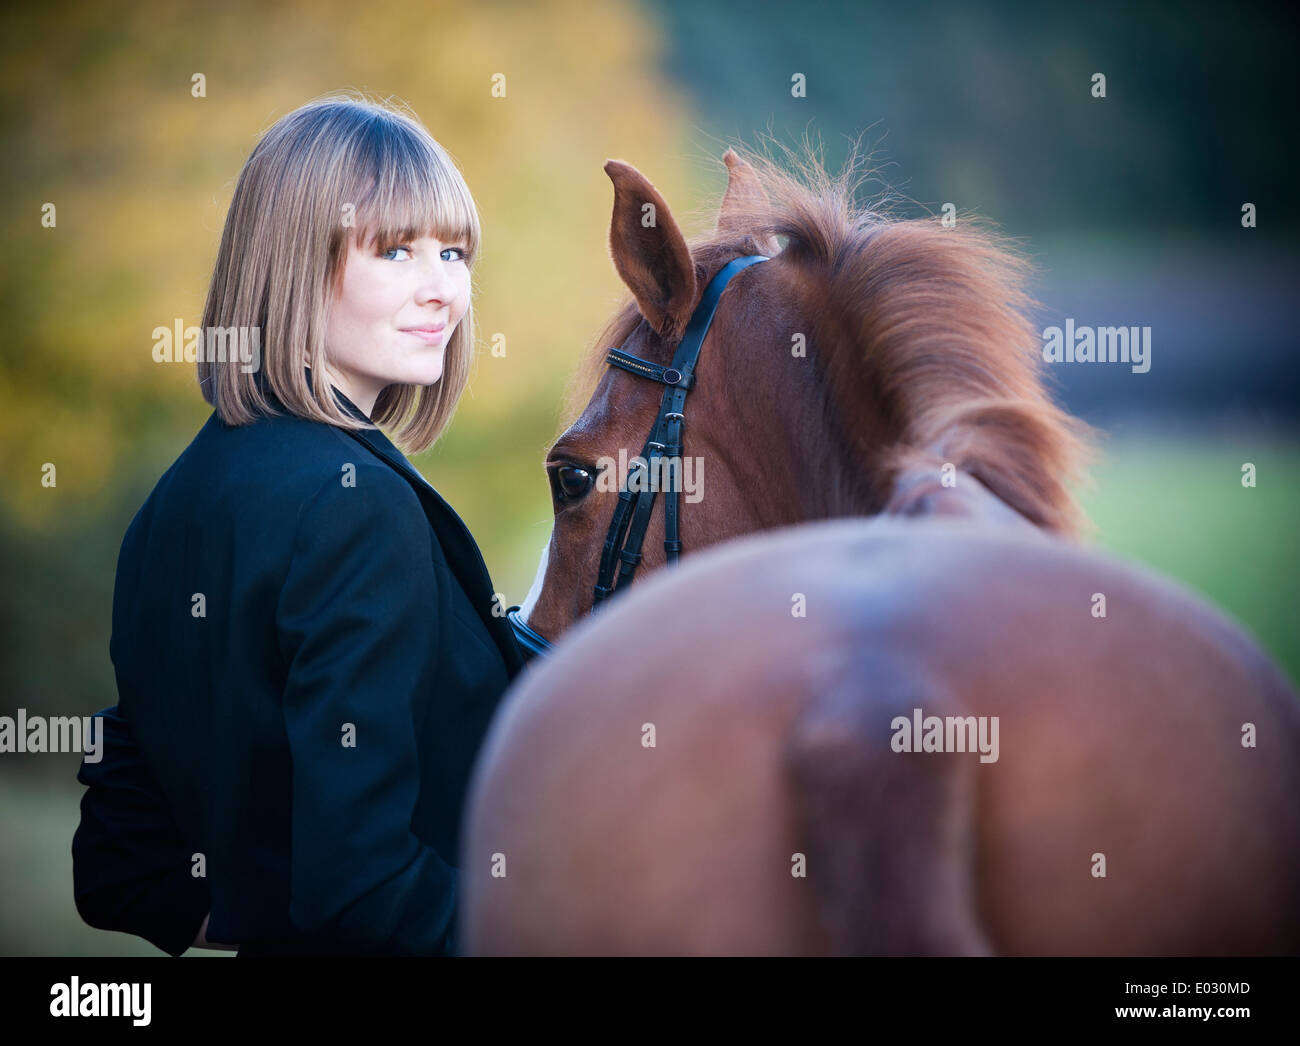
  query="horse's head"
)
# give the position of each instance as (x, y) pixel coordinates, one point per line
(865, 355)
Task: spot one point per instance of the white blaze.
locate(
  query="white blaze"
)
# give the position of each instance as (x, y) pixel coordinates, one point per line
(534, 593)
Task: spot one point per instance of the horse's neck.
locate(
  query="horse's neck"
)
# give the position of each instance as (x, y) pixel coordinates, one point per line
(938, 490)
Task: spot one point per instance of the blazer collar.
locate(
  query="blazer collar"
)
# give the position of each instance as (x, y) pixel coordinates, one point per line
(458, 545)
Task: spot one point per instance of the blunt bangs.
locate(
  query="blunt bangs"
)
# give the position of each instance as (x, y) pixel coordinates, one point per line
(407, 187)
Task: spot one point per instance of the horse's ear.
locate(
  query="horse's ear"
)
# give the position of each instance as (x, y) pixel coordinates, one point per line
(650, 252)
(743, 201)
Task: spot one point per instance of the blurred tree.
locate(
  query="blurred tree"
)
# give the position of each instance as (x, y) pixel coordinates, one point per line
(99, 118)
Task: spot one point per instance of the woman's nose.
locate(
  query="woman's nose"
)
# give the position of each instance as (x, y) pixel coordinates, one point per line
(435, 282)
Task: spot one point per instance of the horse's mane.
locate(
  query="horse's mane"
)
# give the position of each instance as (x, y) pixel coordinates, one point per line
(922, 333)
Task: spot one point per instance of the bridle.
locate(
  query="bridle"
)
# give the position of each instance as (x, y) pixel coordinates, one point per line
(622, 549)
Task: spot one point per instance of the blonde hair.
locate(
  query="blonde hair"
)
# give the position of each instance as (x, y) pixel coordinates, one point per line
(338, 170)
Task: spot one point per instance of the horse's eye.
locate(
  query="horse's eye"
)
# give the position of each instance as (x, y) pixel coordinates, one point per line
(570, 482)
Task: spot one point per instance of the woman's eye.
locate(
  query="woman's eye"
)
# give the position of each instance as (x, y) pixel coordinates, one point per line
(570, 482)
(388, 254)
(463, 252)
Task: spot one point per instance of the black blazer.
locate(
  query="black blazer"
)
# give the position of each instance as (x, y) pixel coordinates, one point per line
(307, 660)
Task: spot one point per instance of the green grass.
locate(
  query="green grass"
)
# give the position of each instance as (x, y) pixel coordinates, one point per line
(39, 812)
(1177, 504)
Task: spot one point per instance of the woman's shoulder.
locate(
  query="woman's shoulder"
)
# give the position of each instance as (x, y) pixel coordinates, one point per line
(274, 434)
(278, 444)
(261, 487)
(278, 463)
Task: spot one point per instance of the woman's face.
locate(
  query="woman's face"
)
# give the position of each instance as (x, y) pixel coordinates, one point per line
(393, 315)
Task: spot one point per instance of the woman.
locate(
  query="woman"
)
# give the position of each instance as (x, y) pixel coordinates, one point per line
(304, 636)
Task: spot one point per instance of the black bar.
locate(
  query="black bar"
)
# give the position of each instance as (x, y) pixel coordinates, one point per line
(886, 994)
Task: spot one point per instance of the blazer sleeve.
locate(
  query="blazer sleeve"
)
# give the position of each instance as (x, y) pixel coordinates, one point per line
(130, 864)
(357, 625)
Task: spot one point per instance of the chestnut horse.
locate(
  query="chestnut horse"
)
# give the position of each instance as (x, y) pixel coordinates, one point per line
(889, 735)
(702, 769)
(864, 347)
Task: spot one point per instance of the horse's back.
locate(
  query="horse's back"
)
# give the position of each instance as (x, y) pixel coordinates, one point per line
(717, 763)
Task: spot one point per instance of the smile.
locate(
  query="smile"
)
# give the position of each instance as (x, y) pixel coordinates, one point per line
(429, 335)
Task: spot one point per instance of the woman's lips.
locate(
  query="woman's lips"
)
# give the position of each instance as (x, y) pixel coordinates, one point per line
(428, 335)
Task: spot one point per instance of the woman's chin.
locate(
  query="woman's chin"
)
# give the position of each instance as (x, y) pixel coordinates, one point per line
(425, 374)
